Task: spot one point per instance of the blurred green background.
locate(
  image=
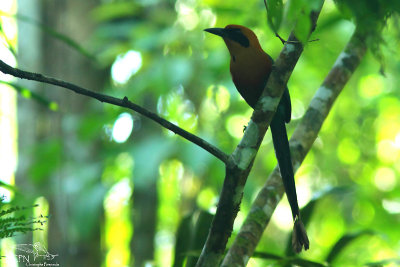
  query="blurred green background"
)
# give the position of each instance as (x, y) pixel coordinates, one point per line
(117, 186)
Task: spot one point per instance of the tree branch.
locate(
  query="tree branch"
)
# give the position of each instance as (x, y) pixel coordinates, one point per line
(7, 69)
(241, 160)
(302, 139)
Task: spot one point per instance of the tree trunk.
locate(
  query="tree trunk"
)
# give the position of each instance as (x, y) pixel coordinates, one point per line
(69, 236)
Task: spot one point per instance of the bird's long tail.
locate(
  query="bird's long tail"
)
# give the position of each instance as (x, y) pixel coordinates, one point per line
(282, 151)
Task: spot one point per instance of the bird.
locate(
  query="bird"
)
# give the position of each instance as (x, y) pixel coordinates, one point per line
(250, 67)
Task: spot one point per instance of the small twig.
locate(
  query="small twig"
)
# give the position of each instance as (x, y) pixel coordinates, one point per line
(283, 40)
(270, 21)
(266, 6)
(313, 40)
(118, 102)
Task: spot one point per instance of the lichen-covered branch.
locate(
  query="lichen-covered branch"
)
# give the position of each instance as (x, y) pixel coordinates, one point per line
(300, 143)
(241, 160)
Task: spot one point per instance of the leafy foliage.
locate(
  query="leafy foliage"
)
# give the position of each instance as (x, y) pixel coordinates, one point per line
(12, 222)
(190, 237)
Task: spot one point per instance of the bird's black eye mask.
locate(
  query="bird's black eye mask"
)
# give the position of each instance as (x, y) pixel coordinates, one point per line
(235, 34)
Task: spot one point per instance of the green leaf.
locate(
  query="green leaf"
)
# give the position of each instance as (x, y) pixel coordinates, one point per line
(191, 236)
(29, 94)
(182, 242)
(275, 13)
(57, 35)
(116, 10)
(343, 242)
(288, 261)
(303, 27)
(200, 234)
(307, 211)
(386, 262)
(8, 186)
(7, 41)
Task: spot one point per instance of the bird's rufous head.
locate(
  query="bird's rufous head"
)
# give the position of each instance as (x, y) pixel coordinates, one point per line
(236, 37)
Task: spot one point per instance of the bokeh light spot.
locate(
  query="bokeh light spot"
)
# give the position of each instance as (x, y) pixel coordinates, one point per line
(122, 128)
(125, 66)
(348, 152)
(222, 98)
(387, 151)
(385, 179)
(187, 16)
(397, 141)
(392, 206)
(235, 125)
(371, 86)
(206, 198)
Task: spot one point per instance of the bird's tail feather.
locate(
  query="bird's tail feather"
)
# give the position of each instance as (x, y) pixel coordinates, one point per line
(282, 151)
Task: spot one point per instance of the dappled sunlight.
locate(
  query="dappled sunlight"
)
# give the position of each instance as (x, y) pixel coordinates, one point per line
(178, 109)
(222, 98)
(391, 206)
(235, 125)
(213, 107)
(118, 228)
(397, 140)
(118, 197)
(116, 256)
(307, 177)
(187, 16)
(122, 128)
(189, 185)
(41, 211)
(298, 109)
(388, 121)
(347, 151)
(208, 111)
(207, 198)
(371, 86)
(125, 66)
(8, 58)
(120, 168)
(165, 242)
(8, 139)
(282, 217)
(387, 152)
(7, 250)
(8, 104)
(385, 179)
(171, 172)
(303, 188)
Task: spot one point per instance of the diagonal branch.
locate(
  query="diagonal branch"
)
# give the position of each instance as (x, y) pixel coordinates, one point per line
(303, 138)
(240, 162)
(7, 69)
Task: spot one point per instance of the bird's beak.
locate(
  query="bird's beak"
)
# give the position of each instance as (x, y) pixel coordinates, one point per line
(216, 31)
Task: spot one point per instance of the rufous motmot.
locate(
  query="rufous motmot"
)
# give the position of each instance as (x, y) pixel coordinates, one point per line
(250, 68)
